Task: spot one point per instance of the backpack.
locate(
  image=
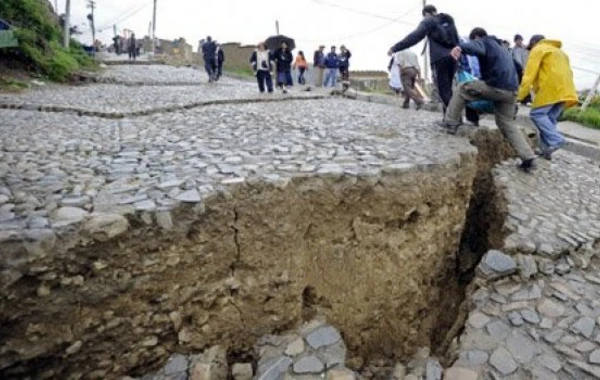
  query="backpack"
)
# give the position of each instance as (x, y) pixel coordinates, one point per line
(445, 32)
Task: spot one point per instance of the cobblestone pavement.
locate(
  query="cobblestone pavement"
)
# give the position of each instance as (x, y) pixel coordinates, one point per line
(537, 313)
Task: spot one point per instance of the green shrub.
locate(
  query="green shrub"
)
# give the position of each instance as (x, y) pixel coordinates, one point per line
(590, 117)
(40, 39)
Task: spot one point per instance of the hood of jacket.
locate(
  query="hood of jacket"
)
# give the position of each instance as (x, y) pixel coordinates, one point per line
(556, 43)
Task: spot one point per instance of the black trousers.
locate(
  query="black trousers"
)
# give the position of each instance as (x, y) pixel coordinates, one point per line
(445, 69)
(264, 77)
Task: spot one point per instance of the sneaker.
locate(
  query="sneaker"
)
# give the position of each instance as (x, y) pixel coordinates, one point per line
(547, 154)
(285, 91)
(528, 166)
(449, 127)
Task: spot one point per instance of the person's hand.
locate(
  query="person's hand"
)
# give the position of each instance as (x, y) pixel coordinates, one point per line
(390, 53)
(456, 52)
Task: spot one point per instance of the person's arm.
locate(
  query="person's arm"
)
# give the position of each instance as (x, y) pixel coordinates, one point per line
(415, 37)
(253, 61)
(473, 48)
(531, 73)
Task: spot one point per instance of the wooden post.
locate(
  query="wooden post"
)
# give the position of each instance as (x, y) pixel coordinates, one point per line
(154, 30)
(590, 96)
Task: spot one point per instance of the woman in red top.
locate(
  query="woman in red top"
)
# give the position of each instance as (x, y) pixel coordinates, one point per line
(302, 66)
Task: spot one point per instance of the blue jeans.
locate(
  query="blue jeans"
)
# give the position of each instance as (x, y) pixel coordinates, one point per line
(546, 120)
(330, 77)
(210, 69)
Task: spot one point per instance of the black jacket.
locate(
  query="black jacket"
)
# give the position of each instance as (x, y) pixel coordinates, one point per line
(319, 59)
(220, 56)
(254, 62)
(345, 59)
(498, 68)
(283, 60)
(209, 51)
(442, 38)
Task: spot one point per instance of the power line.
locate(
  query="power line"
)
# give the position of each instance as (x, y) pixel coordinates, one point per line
(361, 12)
(126, 16)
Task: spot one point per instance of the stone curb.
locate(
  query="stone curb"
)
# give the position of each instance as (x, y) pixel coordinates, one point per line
(121, 115)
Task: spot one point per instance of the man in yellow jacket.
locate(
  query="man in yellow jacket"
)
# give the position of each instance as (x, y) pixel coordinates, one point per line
(549, 73)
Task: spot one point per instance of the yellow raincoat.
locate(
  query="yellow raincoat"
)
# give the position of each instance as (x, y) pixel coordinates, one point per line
(549, 72)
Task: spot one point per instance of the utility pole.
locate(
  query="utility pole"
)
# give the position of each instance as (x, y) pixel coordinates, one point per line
(277, 27)
(590, 96)
(67, 31)
(92, 6)
(426, 55)
(154, 29)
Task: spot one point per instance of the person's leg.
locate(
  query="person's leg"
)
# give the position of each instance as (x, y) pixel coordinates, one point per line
(288, 79)
(444, 73)
(327, 78)
(472, 116)
(269, 80)
(504, 110)
(260, 77)
(540, 118)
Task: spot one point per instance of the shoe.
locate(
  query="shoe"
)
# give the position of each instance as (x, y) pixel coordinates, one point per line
(406, 106)
(420, 106)
(547, 154)
(285, 91)
(449, 127)
(528, 166)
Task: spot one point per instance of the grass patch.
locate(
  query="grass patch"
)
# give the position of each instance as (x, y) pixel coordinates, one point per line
(40, 39)
(12, 85)
(589, 118)
(247, 72)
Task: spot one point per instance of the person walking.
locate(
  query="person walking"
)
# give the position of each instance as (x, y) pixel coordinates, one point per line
(442, 37)
(132, 47)
(345, 56)
(209, 54)
(262, 66)
(332, 63)
(301, 65)
(394, 80)
(550, 75)
(410, 72)
(319, 66)
(499, 83)
(220, 60)
(283, 59)
(521, 56)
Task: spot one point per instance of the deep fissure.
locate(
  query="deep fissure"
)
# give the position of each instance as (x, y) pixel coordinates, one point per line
(134, 301)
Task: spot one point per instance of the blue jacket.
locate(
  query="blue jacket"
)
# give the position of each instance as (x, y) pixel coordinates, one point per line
(497, 66)
(332, 61)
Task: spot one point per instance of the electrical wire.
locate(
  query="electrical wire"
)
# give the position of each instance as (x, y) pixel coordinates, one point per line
(353, 10)
(126, 16)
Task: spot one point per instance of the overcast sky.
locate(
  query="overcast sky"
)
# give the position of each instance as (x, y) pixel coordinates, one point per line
(367, 27)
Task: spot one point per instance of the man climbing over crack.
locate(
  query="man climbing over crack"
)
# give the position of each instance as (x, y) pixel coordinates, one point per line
(499, 83)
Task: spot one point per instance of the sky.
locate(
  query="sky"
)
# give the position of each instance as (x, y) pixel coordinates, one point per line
(367, 27)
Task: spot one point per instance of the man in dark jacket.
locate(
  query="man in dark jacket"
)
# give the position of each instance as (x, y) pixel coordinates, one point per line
(443, 37)
(283, 59)
(209, 54)
(319, 65)
(345, 56)
(499, 83)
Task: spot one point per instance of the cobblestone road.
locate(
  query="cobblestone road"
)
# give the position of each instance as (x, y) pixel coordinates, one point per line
(57, 169)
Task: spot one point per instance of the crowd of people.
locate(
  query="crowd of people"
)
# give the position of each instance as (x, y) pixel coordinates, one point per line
(500, 77)
(492, 77)
(122, 45)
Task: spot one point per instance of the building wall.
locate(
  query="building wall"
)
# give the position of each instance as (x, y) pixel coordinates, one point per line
(237, 56)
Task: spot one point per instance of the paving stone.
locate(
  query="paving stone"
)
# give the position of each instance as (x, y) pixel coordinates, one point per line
(70, 214)
(295, 348)
(595, 357)
(340, 374)
(527, 266)
(522, 348)
(496, 264)
(242, 371)
(585, 346)
(456, 373)
(549, 361)
(498, 330)
(478, 320)
(274, 369)
(516, 319)
(475, 358)
(554, 336)
(584, 326)
(531, 316)
(323, 336)
(551, 309)
(308, 364)
(190, 196)
(503, 362)
(592, 370)
(176, 363)
(433, 370)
